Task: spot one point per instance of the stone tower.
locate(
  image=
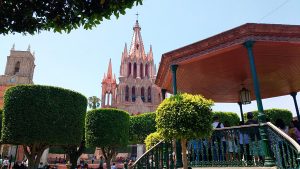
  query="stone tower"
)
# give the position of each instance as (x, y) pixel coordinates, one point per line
(136, 91)
(19, 70)
(109, 86)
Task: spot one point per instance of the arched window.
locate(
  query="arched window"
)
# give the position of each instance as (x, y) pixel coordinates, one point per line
(143, 94)
(17, 68)
(141, 71)
(134, 70)
(106, 99)
(146, 70)
(129, 69)
(149, 94)
(127, 93)
(133, 94)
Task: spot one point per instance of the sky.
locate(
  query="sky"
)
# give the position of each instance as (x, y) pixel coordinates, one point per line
(78, 60)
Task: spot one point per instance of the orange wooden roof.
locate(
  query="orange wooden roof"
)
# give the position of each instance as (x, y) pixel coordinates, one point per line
(218, 66)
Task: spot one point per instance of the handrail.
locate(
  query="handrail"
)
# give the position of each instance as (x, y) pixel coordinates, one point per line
(146, 153)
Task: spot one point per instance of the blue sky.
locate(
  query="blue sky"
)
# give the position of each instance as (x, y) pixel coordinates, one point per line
(79, 59)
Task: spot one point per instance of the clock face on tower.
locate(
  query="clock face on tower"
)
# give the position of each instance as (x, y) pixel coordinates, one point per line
(12, 79)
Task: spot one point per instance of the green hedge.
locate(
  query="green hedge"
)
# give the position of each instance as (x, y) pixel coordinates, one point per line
(231, 118)
(35, 114)
(274, 114)
(141, 126)
(107, 128)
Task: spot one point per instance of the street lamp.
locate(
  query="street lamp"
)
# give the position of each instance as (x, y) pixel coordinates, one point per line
(94, 102)
(245, 96)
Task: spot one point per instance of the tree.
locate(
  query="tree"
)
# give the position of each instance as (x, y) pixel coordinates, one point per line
(36, 117)
(108, 129)
(184, 116)
(140, 126)
(34, 16)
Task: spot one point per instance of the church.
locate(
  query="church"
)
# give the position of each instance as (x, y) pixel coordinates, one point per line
(136, 92)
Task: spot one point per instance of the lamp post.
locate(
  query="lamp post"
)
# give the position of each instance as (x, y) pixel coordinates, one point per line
(93, 102)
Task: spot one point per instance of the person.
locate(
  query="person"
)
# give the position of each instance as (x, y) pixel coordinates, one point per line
(281, 125)
(113, 166)
(5, 163)
(93, 159)
(101, 162)
(253, 136)
(218, 141)
(293, 132)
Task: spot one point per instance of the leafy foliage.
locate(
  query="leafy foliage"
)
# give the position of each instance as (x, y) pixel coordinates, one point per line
(184, 116)
(107, 128)
(228, 117)
(141, 126)
(36, 117)
(274, 114)
(152, 139)
(43, 114)
(34, 16)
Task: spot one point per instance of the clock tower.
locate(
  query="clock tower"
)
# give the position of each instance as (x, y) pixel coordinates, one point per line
(19, 70)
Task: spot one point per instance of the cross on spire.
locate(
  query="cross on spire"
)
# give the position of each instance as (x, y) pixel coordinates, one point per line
(137, 16)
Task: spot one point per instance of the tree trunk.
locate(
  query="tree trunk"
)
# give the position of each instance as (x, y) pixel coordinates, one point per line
(34, 153)
(108, 154)
(74, 152)
(184, 157)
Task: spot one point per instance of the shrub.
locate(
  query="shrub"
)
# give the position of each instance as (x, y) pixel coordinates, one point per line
(274, 114)
(107, 129)
(152, 139)
(141, 126)
(232, 118)
(39, 116)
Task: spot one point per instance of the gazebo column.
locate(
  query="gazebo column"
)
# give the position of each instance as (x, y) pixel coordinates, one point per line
(294, 94)
(241, 110)
(261, 115)
(178, 145)
(163, 93)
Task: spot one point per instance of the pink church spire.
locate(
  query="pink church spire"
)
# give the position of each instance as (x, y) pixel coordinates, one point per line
(109, 70)
(137, 46)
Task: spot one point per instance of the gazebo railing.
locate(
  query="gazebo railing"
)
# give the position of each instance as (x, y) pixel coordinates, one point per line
(159, 156)
(228, 147)
(285, 150)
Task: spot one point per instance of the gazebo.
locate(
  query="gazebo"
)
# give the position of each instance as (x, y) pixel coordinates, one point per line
(261, 58)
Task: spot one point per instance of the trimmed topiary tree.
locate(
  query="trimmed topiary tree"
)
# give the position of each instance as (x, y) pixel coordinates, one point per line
(184, 116)
(152, 139)
(38, 116)
(274, 114)
(107, 129)
(228, 117)
(141, 126)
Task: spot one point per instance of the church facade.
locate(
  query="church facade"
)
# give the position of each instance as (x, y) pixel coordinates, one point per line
(136, 92)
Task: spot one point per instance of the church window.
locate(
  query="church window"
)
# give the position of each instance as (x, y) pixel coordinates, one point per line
(133, 94)
(129, 69)
(17, 68)
(127, 93)
(143, 94)
(146, 70)
(134, 70)
(149, 94)
(141, 71)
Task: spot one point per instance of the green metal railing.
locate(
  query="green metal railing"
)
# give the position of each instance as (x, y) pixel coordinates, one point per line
(227, 147)
(285, 150)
